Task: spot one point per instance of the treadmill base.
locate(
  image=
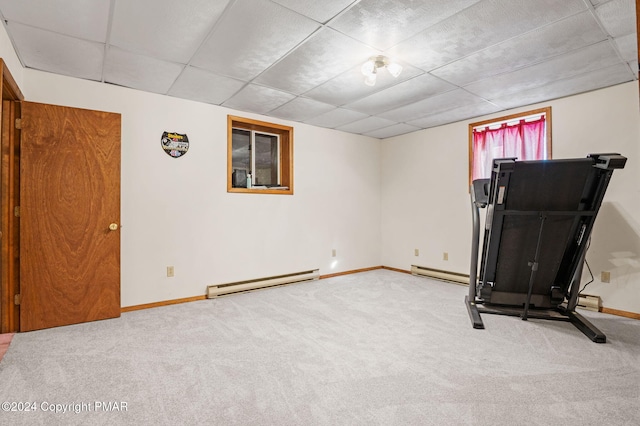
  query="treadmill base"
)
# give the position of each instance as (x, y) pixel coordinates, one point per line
(476, 307)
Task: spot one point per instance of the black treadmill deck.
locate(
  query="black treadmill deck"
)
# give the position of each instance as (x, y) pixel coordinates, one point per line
(540, 215)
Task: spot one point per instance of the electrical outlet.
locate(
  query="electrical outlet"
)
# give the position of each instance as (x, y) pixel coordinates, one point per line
(605, 276)
(445, 256)
(333, 253)
(170, 271)
(416, 252)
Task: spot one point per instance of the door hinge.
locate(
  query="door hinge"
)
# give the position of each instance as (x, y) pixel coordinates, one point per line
(17, 299)
(18, 123)
(16, 211)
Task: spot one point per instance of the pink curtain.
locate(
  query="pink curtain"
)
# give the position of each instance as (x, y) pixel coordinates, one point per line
(524, 140)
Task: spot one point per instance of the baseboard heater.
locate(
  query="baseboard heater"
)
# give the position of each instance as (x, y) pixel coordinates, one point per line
(438, 274)
(589, 302)
(241, 286)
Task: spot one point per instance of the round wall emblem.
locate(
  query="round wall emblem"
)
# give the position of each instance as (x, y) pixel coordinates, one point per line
(175, 144)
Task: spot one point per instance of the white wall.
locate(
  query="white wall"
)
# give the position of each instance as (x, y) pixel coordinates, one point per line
(425, 199)
(608, 121)
(9, 57)
(177, 211)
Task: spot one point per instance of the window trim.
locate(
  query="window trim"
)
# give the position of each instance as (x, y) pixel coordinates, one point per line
(285, 153)
(546, 111)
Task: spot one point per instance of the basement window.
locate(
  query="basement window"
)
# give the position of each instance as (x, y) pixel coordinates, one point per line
(259, 157)
(525, 136)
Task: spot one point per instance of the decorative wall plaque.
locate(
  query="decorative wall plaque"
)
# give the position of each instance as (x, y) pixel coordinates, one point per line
(175, 144)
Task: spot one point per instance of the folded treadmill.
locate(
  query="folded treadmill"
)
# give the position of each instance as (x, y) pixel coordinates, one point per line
(539, 218)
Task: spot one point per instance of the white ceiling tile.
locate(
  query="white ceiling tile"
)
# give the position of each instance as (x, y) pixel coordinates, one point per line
(431, 105)
(324, 56)
(401, 94)
(618, 17)
(336, 118)
(251, 36)
(301, 109)
(204, 86)
(321, 11)
(479, 26)
(628, 47)
(57, 53)
(592, 80)
(259, 55)
(459, 113)
(535, 46)
(85, 19)
(385, 23)
(350, 85)
(167, 29)
(366, 125)
(258, 99)
(391, 131)
(139, 72)
(577, 62)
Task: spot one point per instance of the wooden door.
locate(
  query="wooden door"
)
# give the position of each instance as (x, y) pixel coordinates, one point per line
(69, 216)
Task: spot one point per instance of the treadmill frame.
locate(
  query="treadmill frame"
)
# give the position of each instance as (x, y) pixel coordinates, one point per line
(555, 300)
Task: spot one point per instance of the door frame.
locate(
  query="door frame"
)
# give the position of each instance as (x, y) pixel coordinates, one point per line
(9, 202)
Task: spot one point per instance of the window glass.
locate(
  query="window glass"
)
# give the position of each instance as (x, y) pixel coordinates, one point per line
(266, 160)
(241, 149)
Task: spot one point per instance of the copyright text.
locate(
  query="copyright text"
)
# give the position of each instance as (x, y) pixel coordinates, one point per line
(69, 407)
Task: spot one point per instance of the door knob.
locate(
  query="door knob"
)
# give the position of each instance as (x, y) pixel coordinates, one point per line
(113, 227)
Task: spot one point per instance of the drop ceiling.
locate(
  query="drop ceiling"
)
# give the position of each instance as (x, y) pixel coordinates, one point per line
(300, 60)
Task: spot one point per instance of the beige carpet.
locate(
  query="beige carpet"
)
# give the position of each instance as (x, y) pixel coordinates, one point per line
(376, 348)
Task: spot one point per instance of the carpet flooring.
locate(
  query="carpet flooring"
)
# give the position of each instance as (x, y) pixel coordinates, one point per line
(375, 348)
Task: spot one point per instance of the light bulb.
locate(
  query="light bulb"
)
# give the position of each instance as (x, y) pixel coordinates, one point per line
(394, 69)
(368, 68)
(370, 80)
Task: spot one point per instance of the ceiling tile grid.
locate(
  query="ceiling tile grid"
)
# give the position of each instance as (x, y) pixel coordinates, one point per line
(140, 72)
(560, 37)
(319, 11)
(58, 53)
(481, 26)
(614, 16)
(258, 99)
(585, 82)
(300, 60)
(301, 109)
(366, 125)
(457, 113)
(349, 86)
(385, 23)
(322, 57)
(164, 29)
(431, 105)
(591, 58)
(336, 118)
(89, 19)
(628, 47)
(391, 131)
(204, 86)
(251, 37)
(407, 92)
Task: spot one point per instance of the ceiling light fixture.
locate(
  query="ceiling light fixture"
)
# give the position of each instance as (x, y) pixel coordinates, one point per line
(370, 68)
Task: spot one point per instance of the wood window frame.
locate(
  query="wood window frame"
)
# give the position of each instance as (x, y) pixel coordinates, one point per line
(286, 153)
(512, 117)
